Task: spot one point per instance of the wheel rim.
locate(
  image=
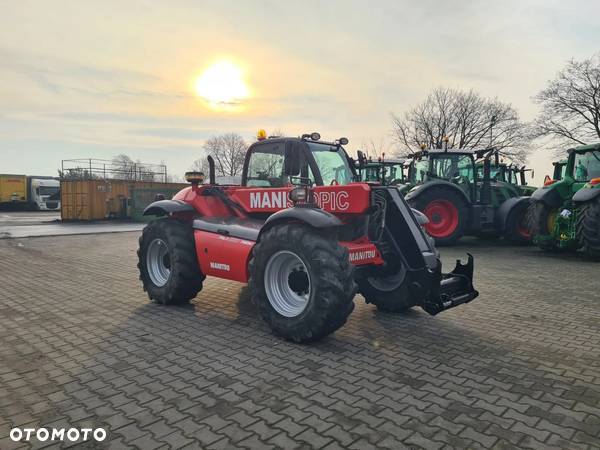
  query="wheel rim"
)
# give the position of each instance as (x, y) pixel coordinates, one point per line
(388, 283)
(522, 226)
(158, 262)
(287, 283)
(443, 218)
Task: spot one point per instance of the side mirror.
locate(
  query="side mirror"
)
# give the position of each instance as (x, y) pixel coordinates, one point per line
(532, 174)
(293, 158)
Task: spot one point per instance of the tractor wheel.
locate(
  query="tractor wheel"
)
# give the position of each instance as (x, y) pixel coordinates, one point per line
(517, 228)
(540, 221)
(447, 214)
(588, 228)
(167, 262)
(302, 282)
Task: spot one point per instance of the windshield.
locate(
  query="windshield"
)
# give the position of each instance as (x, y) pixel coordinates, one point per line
(451, 167)
(332, 163)
(419, 170)
(587, 166)
(393, 173)
(496, 173)
(48, 190)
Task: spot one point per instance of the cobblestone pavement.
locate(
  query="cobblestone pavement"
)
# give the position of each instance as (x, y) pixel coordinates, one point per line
(83, 347)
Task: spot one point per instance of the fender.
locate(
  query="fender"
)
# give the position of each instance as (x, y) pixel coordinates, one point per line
(166, 207)
(315, 217)
(550, 197)
(586, 194)
(417, 191)
(506, 208)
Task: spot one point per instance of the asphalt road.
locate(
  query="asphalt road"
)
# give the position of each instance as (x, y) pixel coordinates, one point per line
(83, 347)
(42, 223)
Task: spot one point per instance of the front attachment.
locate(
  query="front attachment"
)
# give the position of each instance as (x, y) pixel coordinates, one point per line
(455, 288)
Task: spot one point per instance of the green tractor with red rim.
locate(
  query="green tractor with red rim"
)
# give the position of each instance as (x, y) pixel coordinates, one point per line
(457, 200)
(565, 213)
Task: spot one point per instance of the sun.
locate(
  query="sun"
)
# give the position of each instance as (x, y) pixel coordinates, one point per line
(222, 85)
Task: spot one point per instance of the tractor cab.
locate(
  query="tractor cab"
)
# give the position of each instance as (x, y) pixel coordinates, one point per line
(383, 171)
(559, 172)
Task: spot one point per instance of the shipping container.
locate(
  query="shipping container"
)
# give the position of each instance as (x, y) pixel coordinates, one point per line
(13, 189)
(109, 199)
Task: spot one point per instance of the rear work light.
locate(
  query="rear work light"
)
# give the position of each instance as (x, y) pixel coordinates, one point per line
(595, 181)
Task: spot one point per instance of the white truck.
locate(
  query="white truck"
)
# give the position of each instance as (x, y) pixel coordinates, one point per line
(29, 192)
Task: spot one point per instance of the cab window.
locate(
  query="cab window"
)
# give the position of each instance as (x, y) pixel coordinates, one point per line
(587, 165)
(265, 168)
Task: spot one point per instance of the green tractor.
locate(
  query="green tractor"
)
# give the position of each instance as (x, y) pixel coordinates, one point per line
(565, 213)
(388, 172)
(501, 172)
(446, 187)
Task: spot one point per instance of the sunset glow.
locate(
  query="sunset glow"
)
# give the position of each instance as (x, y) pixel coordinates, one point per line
(222, 85)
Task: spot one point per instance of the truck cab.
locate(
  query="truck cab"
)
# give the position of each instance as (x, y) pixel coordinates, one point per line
(44, 193)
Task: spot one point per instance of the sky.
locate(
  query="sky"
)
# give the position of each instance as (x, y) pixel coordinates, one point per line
(95, 79)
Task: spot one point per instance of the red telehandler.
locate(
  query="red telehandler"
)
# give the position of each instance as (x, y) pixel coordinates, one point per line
(304, 235)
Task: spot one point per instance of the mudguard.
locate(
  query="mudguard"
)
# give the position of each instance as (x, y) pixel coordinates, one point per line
(585, 195)
(550, 197)
(165, 207)
(415, 192)
(505, 209)
(313, 216)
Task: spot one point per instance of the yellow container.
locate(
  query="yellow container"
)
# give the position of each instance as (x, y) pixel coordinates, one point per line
(102, 199)
(13, 188)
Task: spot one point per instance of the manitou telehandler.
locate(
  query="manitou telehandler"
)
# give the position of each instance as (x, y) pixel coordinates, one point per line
(303, 235)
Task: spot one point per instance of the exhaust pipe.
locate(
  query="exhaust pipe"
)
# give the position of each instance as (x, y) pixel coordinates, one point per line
(211, 170)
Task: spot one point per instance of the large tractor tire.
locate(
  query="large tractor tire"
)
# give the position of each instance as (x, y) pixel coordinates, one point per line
(447, 213)
(167, 262)
(588, 228)
(302, 282)
(540, 221)
(389, 293)
(388, 290)
(517, 227)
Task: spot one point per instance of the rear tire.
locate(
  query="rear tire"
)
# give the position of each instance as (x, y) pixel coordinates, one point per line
(588, 228)
(168, 263)
(517, 228)
(447, 213)
(302, 282)
(539, 222)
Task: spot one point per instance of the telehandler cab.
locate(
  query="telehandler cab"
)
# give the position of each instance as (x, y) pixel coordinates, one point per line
(303, 235)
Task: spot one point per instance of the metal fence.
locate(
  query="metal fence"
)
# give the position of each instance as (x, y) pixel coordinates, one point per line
(102, 169)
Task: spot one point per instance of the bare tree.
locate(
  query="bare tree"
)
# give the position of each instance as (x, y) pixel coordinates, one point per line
(228, 150)
(124, 167)
(467, 120)
(571, 104)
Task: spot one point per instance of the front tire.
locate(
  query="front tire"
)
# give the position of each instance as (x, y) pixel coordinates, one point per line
(167, 262)
(588, 228)
(302, 282)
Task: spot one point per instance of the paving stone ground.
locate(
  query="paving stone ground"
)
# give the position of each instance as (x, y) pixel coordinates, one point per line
(81, 346)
